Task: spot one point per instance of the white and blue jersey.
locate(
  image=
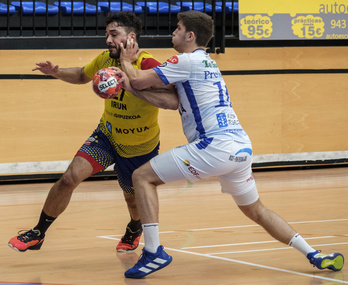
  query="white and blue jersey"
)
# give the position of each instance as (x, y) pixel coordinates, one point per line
(205, 106)
(218, 145)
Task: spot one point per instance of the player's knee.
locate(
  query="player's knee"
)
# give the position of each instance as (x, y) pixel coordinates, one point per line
(137, 176)
(69, 181)
(253, 211)
(140, 176)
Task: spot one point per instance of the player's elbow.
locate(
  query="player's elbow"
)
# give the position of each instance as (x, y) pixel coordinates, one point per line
(84, 81)
(83, 78)
(172, 104)
(139, 84)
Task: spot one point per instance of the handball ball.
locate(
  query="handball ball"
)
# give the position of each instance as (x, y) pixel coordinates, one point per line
(105, 83)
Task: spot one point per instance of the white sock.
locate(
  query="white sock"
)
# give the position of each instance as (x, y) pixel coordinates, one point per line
(301, 245)
(151, 237)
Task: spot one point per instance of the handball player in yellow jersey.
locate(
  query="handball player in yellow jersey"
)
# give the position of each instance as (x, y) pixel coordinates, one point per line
(127, 135)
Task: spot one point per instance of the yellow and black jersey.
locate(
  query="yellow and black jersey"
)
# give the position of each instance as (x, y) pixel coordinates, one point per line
(130, 123)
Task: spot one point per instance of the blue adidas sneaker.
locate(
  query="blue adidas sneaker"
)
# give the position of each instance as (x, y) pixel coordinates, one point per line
(333, 261)
(149, 263)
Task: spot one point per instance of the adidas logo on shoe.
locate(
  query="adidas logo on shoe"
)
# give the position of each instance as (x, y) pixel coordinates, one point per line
(149, 263)
(151, 266)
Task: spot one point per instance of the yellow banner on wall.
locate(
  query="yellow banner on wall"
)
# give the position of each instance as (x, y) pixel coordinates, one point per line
(293, 6)
(293, 19)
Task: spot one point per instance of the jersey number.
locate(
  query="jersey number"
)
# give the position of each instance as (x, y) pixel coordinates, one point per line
(224, 98)
(120, 96)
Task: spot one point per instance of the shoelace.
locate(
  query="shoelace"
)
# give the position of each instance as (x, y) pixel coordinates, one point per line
(313, 259)
(143, 254)
(140, 257)
(129, 236)
(24, 235)
(126, 240)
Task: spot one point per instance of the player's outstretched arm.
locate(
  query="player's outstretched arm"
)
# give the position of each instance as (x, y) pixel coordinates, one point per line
(140, 79)
(164, 97)
(74, 75)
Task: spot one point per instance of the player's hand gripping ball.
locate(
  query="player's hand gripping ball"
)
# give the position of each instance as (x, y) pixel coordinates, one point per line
(105, 83)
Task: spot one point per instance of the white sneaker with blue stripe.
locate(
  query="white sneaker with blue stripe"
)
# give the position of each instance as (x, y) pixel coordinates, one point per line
(149, 263)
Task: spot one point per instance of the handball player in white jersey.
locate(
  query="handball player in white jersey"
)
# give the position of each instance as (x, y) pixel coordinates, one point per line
(217, 144)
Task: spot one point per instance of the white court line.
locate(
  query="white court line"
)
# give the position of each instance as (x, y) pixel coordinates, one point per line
(243, 226)
(121, 235)
(247, 251)
(110, 237)
(270, 249)
(255, 225)
(249, 263)
(246, 263)
(259, 265)
(249, 243)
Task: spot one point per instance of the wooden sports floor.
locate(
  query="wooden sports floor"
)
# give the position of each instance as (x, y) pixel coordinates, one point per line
(210, 240)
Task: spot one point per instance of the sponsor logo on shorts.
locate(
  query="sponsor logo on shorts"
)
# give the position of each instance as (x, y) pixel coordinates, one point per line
(237, 158)
(90, 140)
(251, 178)
(194, 172)
(191, 169)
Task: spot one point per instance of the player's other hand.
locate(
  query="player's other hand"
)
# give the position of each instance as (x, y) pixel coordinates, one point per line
(130, 52)
(47, 68)
(124, 80)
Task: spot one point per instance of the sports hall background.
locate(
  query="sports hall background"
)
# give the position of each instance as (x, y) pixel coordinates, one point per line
(291, 98)
(285, 114)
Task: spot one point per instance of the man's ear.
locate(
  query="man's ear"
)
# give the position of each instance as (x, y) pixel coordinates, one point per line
(191, 36)
(133, 36)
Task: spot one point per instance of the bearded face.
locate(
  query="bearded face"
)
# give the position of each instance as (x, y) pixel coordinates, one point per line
(115, 35)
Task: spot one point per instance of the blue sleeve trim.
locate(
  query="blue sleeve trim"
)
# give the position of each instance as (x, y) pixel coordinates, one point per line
(161, 75)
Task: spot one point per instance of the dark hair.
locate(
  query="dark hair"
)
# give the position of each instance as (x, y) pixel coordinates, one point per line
(129, 21)
(200, 24)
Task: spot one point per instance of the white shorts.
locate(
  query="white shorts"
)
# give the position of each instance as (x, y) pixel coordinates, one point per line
(229, 160)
